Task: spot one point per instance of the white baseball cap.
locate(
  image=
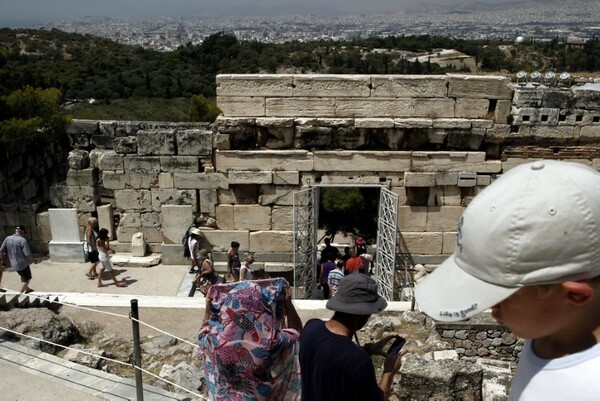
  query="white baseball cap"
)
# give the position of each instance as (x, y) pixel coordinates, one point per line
(537, 224)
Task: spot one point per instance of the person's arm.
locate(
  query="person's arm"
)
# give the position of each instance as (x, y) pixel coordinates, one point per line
(229, 269)
(293, 319)
(391, 366)
(243, 271)
(207, 268)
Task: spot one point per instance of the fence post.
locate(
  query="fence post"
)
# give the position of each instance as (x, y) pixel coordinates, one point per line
(137, 352)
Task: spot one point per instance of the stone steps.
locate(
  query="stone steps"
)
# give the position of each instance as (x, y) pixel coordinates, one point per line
(11, 300)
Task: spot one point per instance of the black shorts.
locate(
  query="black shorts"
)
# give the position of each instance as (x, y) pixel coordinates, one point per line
(25, 274)
(93, 256)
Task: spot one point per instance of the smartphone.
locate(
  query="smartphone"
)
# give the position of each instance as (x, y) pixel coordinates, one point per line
(396, 346)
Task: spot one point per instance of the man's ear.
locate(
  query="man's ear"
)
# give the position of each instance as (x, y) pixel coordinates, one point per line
(578, 292)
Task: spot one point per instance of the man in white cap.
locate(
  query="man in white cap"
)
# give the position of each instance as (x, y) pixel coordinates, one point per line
(528, 247)
(335, 368)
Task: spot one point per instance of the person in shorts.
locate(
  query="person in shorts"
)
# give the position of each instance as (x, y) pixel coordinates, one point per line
(103, 245)
(17, 249)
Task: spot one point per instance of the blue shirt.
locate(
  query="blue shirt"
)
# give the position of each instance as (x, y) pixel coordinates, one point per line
(17, 249)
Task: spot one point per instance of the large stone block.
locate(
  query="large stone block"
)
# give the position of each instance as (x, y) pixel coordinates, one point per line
(175, 220)
(172, 254)
(443, 218)
(423, 243)
(362, 161)
(373, 108)
(481, 87)
(241, 106)
(412, 218)
(87, 176)
(106, 219)
(590, 134)
(454, 161)
(409, 86)
(560, 134)
(165, 180)
(432, 108)
(130, 199)
(126, 145)
(276, 137)
(220, 240)
(140, 181)
(412, 179)
(162, 197)
(113, 179)
(141, 165)
(156, 142)
(194, 142)
(413, 123)
(321, 85)
(290, 160)
(200, 181)
(374, 123)
(502, 112)
(179, 164)
(88, 127)
(286, 178)
(81, 197)
(130, 219)
(150, 219)
(108, 160)
(151, 234)
(254, 85)
(466, 139)
(224, 214)
(312, 137)
(471, 108)
(250, 177)
(300, 106)
(271, 241)
(449, 195)
(535, 116)
(277, 195)
(63, 225)
(452, 123)
(251, 217)
(208, 200)
(282, 218)
(449, 243)
(238, 194)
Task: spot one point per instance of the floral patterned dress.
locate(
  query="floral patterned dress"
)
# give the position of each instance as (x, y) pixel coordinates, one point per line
(248, 353)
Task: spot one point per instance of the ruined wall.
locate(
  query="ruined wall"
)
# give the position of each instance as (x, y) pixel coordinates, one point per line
(434, 140)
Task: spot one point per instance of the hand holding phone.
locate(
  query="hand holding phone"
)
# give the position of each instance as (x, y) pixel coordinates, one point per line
(396, 346)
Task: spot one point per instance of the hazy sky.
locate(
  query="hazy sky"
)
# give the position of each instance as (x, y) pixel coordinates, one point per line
(31, 10)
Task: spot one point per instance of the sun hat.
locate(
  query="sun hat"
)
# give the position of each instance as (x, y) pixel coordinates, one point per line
(360, 241)
(357, 295)
(539, 223)
(196, 231)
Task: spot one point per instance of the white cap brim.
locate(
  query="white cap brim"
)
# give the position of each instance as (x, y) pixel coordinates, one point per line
(451, 294)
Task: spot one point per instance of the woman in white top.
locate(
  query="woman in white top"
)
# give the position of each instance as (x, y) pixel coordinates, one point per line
(194, 245)
(246, 270)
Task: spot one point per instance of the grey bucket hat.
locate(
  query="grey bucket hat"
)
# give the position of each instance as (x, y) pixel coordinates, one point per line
(357, 295)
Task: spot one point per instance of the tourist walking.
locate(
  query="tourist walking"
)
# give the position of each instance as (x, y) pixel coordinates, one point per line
(17, 249)
(89, 246)
(103, 246)
(233, 261)
(246, 272)
(328, 267)
(333, 280)
(194, 247)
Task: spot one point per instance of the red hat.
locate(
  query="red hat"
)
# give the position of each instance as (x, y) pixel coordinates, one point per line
(360, 241)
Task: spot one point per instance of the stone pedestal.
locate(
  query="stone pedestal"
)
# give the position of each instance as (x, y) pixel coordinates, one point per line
(66, 244)
(172, 254)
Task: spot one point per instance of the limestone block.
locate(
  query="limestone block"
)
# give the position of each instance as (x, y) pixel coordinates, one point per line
(208, 200)
(419, 179)
(443, 218)
(452, 123)
(251, 217)
(224, 214)
(535, 116)
(220, 240)
(484, 180)
(271, 241)
(140, 181)
(141, 165)
(471, 108)
(173, 197)
(194, 142)
(165, 180)
(241, 106)
(41, 219)
(79, 140)
(179, 164)
(138, 245)
(423, 243)
(108, 128)
(401, 192)
(110, 160)
(586, 99)
(269, 122)
(102, 141)
(82, 198)
(413, 123)
(276, 137)
(446, 179)
(277, 195)
(254, 85)
(349, 138)
(249, 177)
(466, 139)
(89, 127)
(590, 134)
(563, 133)
(454, 161)
(497, 134)
(150, 219)
(222, 142)
(151, 234)
(130, 219)
(88, 176)
(289, 160)
(449, 195)
(238, 194)
(449, 242)
(300, 106)
(412, 218)
(528, 98)
(282, 218)
(362, 178)
(172, 254)
(502, 111)
(312, 137)
(286, 178)
(126, 145)
(481, 87)
(63, 225)
(175, 220)
(200, 181)
(373, 107)
(130, 199)
(156, 142)
(330, 122)
(325, 85)
(409, 86)
(484, 123)
(362, 161)
(432, 108)
(374, 123)
(106, 219)
(78, 159)
(437, 135)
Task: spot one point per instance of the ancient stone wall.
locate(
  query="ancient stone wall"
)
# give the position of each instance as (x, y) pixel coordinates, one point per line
(434, 140)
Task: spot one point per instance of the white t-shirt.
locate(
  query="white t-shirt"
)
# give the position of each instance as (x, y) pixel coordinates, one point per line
(573, 377)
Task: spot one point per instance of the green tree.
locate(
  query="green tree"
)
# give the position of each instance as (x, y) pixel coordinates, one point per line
(202, 109)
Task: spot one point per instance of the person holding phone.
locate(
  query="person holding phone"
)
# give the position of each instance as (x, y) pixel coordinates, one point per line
(334, 367)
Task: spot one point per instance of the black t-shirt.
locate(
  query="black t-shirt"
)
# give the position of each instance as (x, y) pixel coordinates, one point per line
(329, 253)
(334, 368)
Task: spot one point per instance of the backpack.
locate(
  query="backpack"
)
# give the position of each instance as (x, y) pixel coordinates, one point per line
(186, 244)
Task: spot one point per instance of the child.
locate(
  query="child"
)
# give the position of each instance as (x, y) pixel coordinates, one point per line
(103, 245)
(528, 247)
